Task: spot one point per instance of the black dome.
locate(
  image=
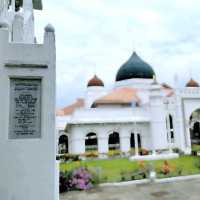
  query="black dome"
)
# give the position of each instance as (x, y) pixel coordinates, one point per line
(135, 67)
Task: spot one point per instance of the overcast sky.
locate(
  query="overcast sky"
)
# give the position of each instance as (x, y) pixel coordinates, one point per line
(98, 36)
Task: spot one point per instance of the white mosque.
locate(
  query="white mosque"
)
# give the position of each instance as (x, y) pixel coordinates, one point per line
(137, 113)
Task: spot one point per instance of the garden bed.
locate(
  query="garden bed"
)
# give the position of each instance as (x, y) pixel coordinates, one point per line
(117, 170)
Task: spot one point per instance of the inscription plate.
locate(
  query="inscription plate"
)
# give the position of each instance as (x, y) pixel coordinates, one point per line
(25, 108)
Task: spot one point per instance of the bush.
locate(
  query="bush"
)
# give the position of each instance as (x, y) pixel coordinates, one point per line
(197, 164)
(114, 153)
(131, 151)
(144, 152)
(82, 179)
(68, 157)
(165, 168)
(195, 147)
(125, 175)
(139, 174)
(168, 170)
(78, 179)
(178, 151)
(91, 154)
(65, 181)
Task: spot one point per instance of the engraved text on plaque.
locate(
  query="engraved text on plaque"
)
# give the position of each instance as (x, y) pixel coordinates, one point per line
(25, 108)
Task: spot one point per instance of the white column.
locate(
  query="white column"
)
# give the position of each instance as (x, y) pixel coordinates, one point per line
(78, 146)
(125, 143)
(136, 144)
(103, 145)
(188, 139)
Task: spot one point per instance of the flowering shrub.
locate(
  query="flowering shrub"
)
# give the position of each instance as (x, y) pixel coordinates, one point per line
(82, 179)
(78, 179)
(141, 165)
(166, 168)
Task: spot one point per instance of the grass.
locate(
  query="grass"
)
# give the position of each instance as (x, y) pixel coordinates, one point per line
(196, 147)
(111, 169)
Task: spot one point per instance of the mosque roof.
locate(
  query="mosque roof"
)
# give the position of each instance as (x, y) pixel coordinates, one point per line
(135, 67)
(119, 96)
(192, 83)
(68, 110)
(95, 81)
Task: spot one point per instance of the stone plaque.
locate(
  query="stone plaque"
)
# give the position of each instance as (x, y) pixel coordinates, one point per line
(25, 108)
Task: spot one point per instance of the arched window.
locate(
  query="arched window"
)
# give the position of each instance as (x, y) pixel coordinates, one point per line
(63, 144)
(91, 142)
(196, 131)
(195, 127)
(170, 128)
(139, 141)
(114, 141)
(132, 141)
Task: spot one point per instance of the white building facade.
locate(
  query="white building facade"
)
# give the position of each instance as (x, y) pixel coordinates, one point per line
(138, 113)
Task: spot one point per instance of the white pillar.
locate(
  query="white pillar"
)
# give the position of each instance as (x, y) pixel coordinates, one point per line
(125, 144)
(77, 146)
(136, 144)
(103, 145)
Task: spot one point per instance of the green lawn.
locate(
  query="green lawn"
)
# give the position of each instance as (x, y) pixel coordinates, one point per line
(111, 169)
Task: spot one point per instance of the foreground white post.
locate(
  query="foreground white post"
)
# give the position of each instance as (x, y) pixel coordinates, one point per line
(27, 119)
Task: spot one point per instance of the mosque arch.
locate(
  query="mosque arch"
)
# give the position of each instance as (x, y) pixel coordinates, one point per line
(132, 140)
(91, 142)
(195, 127)
(170, 128)
(63, 144)
(114, 141)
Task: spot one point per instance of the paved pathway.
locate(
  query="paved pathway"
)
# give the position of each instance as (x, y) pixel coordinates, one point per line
(182, 190)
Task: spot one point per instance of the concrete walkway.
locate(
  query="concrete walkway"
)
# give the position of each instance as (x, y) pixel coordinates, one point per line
(182, 190)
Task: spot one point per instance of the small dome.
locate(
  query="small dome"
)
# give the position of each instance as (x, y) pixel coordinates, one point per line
(49, 28)
(95, 81)
(135, 67)
(192, 83)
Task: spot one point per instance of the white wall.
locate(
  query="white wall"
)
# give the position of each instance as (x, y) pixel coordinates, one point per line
(77, 135)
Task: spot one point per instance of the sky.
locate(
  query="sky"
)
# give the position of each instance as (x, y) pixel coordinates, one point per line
(98, 36)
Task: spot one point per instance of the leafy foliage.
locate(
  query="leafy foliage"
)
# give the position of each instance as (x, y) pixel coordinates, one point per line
(77, 179)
